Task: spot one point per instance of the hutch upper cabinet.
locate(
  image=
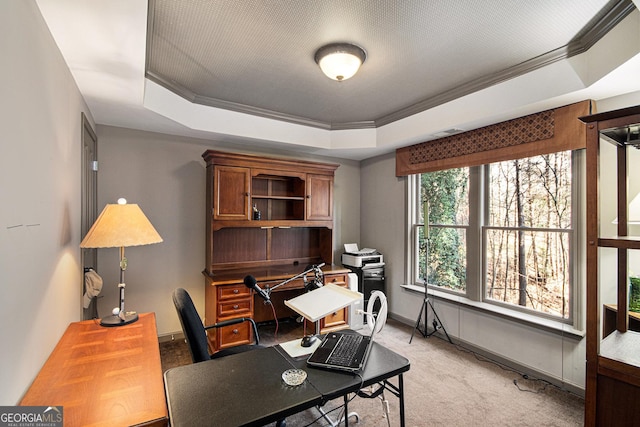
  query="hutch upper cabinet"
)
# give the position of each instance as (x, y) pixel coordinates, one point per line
(264, 211)
(231, 192)
(613, 352)
(320, 198)
(269, 218)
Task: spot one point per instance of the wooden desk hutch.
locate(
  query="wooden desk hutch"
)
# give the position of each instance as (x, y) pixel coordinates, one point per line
(294, 228)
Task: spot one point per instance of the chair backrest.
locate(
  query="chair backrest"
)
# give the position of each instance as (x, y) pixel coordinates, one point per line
(192, 326)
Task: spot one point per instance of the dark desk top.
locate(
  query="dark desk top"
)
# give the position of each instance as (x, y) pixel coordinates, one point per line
(247, 388)
(243, 389)
(381, 364)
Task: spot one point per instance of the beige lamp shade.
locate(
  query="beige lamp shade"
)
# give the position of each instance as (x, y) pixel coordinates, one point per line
(121, 225)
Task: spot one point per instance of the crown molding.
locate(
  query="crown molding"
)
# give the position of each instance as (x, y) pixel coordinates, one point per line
(583, 41)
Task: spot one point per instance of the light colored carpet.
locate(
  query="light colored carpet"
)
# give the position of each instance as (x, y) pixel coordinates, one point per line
(448, 386)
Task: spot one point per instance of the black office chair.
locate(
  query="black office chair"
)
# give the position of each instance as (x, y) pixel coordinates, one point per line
(196, 336)
(194, 330)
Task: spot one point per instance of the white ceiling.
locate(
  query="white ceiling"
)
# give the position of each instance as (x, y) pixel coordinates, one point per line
(242, 72)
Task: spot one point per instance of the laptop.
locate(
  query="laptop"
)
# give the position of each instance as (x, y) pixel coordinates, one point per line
(344, 351)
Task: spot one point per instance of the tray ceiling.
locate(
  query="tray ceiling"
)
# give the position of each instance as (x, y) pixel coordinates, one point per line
(256, 56)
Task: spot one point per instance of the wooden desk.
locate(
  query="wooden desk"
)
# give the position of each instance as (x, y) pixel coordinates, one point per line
(104, 376)
(226, 297)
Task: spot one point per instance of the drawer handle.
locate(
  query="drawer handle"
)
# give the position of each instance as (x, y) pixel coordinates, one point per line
(235, 291)
(235, 306)
(235, 331)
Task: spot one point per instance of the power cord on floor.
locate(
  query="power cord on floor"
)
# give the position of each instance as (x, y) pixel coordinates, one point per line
(508, 369)
(372, 393)
(540, 390)
(330, 411)
(341, 407)
(322, 416)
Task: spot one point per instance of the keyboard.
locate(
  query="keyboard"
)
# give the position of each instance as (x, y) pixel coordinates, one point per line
(345, 350)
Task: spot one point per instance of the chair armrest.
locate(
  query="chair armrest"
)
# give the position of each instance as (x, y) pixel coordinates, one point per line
(236, 321)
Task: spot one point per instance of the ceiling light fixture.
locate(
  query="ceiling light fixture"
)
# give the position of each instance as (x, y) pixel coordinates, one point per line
(340, 61)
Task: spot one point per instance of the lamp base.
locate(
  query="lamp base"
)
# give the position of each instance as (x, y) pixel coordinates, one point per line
(117, 321)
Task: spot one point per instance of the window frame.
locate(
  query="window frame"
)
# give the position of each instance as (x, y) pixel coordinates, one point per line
(476, 255)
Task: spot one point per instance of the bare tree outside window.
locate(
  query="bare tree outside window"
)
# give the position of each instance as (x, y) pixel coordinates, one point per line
(526, 232)
(527, 239)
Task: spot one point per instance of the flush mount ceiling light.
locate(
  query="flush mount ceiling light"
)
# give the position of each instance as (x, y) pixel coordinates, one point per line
(340, 61)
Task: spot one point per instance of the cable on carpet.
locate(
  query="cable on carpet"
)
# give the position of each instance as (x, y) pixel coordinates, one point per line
(508, 369)
(341, 406)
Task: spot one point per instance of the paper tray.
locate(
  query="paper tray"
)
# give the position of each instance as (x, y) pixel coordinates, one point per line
(322, 302)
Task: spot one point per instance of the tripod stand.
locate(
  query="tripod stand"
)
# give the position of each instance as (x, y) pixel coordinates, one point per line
(426, 304)
(437, 324)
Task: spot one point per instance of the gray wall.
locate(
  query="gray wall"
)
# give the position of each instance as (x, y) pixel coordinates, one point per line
(40, 271)
(165, 175)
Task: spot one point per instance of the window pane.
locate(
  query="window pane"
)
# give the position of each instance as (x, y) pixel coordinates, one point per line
(529, 269)
(447, 194)
(447, 257)
(526, 267)
(531, 192)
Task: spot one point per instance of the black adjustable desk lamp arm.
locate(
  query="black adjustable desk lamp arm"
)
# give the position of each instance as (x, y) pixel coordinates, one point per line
(315, 269)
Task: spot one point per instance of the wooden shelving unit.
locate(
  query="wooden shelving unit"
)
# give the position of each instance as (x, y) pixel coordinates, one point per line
(613, 360)
(294, 228)
(295, 202)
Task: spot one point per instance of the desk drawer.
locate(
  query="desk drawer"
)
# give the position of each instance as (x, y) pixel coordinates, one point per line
(336, 279)
(236, 308)
(337, 320)
(238, 290)
(233, 335)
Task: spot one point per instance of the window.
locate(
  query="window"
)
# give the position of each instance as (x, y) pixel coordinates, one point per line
(445, 197)
(528, 233)
(501, 233)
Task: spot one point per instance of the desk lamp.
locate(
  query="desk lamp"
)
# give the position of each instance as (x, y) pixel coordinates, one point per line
(118, 226)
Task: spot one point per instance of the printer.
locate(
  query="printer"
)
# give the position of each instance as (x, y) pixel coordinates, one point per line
(361, 258)
(368, 266)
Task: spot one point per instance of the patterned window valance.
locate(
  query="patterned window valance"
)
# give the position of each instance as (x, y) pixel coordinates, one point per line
(540, 133)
